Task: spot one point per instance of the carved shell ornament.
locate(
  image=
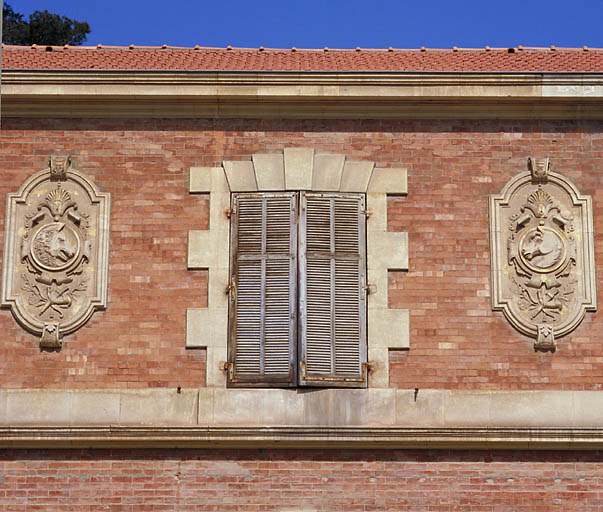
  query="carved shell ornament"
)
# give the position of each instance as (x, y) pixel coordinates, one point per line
(55, 254)
(541, 242)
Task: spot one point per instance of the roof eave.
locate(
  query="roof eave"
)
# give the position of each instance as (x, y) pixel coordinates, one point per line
(305, 94)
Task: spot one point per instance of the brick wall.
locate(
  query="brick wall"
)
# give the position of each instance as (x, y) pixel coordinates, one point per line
(284, 480)
(456, 340)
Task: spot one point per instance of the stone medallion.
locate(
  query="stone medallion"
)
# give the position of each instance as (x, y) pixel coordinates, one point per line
(541, 241)
(55, 253)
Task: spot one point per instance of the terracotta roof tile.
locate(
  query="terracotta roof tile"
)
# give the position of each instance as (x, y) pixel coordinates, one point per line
(219, 59)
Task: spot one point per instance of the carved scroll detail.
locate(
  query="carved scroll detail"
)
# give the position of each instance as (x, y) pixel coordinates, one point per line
(56, 248)
(541, 241)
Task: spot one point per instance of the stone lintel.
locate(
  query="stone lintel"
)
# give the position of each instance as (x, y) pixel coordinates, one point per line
(269, 171)
(299, 163)
(327, 172)
(240, 176)
(388, 181)
(356, 176)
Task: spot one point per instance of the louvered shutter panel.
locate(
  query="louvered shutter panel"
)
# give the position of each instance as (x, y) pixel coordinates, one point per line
(332, 294)
(263, 296)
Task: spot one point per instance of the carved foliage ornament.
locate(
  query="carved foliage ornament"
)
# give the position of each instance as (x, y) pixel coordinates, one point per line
(56, 252)
(541, 242)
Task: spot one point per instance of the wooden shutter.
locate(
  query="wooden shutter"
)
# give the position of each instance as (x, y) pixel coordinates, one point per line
(263, 296)
(332, 293)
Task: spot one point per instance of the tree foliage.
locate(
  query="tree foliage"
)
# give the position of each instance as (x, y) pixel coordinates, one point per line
(43, 28)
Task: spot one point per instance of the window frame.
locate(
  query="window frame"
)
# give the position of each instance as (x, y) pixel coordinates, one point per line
(297, 376)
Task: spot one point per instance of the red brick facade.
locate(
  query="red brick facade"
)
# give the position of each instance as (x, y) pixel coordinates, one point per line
(457, 341)
(280, 480)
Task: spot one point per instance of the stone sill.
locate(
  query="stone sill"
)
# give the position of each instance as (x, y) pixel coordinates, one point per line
(373, 408)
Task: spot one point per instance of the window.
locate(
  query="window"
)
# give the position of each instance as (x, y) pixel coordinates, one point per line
(297, 312)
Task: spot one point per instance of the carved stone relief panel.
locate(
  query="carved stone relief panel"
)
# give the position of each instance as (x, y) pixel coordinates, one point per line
(541, 242)
(56, 252)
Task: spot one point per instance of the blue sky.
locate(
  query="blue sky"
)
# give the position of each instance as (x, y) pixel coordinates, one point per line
(334, 23)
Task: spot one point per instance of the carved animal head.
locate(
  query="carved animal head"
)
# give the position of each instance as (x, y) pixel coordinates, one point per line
(53, 248)
(542, 248)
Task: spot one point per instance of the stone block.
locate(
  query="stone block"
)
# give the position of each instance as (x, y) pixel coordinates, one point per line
(205, 408)
(269, 171)
(159, 407)
(282, 407)
(95, 407)
(219, 206)
(569, 91)
(299, 163)
(378, 282)
(388, 328)
(37, 407)
(266, 407)
(424, 408)
(206, 327)
(388, 181)
(467, 408)
(219, 183)
(326, 176)
(200, 179)
(240, 176)
(3, 412)
(200, 254)
(206, 249)
(356, 176)
(217, 293)
(215, 376)
(378, 358)
(237, 407)
(532, 409)
(317, 406)
(350, 407)
(387, 250)
(588, 408)
(377, 207)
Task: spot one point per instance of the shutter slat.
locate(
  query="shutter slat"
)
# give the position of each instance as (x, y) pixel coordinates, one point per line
(277, 317)
(347, 318)
(332, 303)
(318, 316)
(248, 326)
(263, 259)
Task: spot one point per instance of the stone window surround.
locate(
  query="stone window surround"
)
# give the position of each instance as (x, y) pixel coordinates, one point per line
(293, 169)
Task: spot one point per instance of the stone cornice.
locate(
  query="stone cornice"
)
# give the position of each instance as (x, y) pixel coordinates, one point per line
(116, 436)
(356, 95)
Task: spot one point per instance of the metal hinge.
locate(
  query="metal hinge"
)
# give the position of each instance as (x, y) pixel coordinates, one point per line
(227, 367)
(231, 287)
(368, 289)
(230, 212)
